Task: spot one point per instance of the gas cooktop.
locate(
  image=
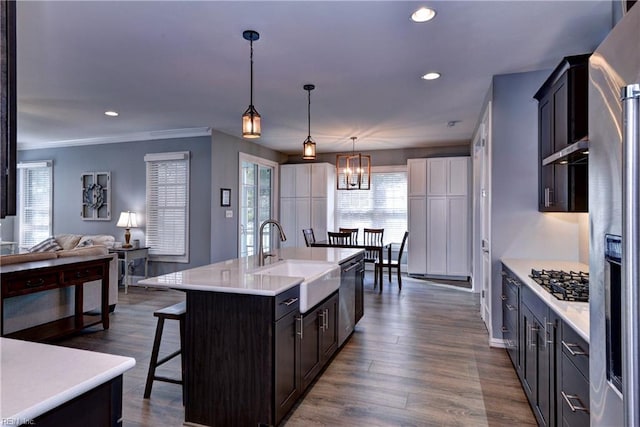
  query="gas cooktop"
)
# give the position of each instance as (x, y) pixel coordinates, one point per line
(566, 286)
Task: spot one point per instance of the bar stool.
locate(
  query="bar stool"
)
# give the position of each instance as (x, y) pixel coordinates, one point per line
(173, 312)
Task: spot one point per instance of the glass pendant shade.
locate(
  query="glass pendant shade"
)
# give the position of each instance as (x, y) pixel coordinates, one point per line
(308, 149)
(251, 123)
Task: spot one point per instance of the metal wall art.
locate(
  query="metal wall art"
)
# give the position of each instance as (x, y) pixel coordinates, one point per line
(96, 196)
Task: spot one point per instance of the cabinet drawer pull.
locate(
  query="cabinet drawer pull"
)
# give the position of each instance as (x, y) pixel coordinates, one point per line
(326, 319)
(510, 307)
(505, 329)
(503, 297)
(35, 283)
(300, 322)
(567, 398)
(351, 267)
(570, 346)
(548, 330)
(322, 322)
(289, 301)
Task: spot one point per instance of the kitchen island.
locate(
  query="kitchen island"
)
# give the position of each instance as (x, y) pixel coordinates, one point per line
(48, 385)
(257, 337)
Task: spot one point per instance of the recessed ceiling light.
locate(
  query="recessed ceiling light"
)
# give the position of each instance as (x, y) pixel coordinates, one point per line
(111, 113)
(431, 76)
(423, 14)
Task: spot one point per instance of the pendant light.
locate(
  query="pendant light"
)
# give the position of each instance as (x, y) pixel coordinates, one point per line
(251, 118)
(308, 146)
(353, 171)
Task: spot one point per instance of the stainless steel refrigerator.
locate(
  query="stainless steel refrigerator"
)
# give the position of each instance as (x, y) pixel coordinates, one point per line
(614, 215)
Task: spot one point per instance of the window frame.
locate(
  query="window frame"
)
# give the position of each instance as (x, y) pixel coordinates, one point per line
(374, 170)
(158, 158)
(22, 167)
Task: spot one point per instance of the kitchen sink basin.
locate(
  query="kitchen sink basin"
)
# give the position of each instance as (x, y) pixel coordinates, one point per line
(319, 279)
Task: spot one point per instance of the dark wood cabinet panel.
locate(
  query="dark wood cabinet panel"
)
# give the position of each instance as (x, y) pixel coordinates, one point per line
(98, 407)
(319, 340)
(287, 360)
(329, 328)
(563, 122)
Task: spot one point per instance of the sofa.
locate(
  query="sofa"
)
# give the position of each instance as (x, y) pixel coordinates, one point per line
(30, 310)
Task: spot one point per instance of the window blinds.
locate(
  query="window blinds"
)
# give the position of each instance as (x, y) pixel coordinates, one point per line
(384, 206)
(167, 233)
(34, 202)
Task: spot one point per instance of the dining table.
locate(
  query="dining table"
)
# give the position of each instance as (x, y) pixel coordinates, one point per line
(377, 248)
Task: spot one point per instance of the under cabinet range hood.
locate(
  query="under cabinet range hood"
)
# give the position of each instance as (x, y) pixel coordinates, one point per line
(572, 154)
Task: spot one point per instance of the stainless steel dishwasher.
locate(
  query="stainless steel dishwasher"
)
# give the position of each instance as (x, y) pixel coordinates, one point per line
(347, 296)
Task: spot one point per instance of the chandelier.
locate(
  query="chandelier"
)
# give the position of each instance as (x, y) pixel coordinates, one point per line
(353, 171)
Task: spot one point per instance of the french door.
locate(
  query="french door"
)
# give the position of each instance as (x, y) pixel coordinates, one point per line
(257, 202)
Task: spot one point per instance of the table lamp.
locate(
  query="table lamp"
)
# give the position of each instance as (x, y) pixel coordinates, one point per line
(127, 220)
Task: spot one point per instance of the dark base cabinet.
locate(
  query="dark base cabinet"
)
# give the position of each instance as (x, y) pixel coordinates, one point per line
(550, 358)
(249, 358)
(510, 321)
(99, 407)
(573, 379)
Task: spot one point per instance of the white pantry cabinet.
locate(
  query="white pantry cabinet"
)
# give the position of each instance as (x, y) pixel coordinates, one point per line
(439, 217)
(307, 194)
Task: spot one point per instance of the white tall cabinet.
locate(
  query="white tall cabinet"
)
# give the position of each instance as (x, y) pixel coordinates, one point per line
(307, 199)
(439, 217)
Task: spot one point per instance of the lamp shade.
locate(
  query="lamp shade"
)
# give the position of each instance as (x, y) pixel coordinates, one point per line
(127, 220)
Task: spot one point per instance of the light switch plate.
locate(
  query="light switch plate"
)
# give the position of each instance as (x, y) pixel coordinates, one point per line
(228, 213)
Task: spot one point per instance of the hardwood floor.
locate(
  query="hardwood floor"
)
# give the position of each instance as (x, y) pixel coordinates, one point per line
(418, 358)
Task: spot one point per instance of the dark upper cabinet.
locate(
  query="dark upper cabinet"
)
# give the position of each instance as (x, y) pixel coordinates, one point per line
(8, 109)
(563, 137)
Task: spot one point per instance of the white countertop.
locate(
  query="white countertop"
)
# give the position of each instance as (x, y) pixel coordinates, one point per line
(239, 275)
(35, 378)
(576, 314)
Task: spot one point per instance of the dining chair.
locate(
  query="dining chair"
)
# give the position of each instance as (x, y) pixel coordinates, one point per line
(354, 233)
(309, 237)
(394, 263)
(373, 237)
(337, 238)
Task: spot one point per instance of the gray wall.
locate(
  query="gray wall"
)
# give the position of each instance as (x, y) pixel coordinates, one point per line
(125, 161)
(225, 174)
(214, 165)
(518, 229)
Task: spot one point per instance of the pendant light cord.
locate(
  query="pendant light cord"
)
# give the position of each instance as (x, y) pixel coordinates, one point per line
(309, 114)
(251, 90)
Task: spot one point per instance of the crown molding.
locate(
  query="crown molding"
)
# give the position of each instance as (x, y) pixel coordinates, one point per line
(131, 137)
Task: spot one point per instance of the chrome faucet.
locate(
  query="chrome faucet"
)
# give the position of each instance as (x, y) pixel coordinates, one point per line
(261, 255)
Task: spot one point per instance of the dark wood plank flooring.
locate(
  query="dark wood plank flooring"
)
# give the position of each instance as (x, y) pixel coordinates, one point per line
(417, 358)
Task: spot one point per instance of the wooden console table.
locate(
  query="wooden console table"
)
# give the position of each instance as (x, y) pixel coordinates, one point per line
(38, 276)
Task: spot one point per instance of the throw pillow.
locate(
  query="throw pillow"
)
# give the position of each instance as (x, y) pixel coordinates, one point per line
(85, 243)
(47, 245)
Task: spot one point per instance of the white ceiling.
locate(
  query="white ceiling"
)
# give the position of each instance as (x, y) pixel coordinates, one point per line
(167, 66)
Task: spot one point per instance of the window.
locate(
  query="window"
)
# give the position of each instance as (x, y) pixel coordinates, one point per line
(35, 202)
(168, 206)
(384, 206)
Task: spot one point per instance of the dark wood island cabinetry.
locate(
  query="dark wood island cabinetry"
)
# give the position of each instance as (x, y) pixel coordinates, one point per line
(250, 357)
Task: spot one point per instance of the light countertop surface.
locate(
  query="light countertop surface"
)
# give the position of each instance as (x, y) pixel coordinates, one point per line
(35, 378)
(576, 314)
(242, 275)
